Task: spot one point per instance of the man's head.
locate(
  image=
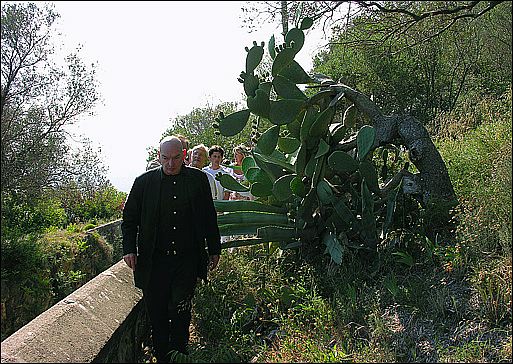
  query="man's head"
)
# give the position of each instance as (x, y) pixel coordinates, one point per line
(171, 155)
(215, 154)
(185, 145)
(199, 156)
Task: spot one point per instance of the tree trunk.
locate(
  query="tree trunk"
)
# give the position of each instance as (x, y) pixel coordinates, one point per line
(432, 183)
(284, 18)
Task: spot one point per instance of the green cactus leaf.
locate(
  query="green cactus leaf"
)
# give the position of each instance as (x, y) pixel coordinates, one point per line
(295, 73)
(277, 158)
(294, 126)
(270, 47)
(365, 141)
(319, 167)
(321, 125)
(337, 131)
(276, 233)
(268, 140)
(309, 118)
(391, 203)
(342, 162)
(259, 104)
(247, 205)
(259, 189)
(228, 182)
(307, 206)
(301, 160)
(238, 229)
(368, 171)
(273, 170)
(323, 148)
(288, 145)
(306, 23)
(253, 58)
(250, 84)
(247, 163)
(252, 217)
(297, 186)
(368, 223)
(234, 123)
(349, 119)
(251, 173)
(297, 36)
(281, 187)
(344, 212)
(284, 111)
(310, 167)
(324, 192)
(256, 174)
(333, 247)
(282, 60)
(287, 89)
(321, 97)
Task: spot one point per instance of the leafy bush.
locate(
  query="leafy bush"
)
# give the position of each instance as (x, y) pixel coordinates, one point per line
(479, 163)
(38, 271)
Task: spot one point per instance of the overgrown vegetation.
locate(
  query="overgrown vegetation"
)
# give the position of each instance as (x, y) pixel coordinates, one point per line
(419, 302)
(444, 299)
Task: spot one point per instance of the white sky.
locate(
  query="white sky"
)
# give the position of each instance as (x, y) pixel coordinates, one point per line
(157, 60)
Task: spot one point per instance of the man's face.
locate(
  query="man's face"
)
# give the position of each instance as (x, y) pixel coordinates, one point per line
(171, 158)
(199, 158)
(216, 158)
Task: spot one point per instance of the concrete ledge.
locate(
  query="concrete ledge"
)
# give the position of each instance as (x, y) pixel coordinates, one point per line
(102, 316)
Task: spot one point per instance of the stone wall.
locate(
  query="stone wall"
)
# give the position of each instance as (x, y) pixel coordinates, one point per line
(111, 231)
(102, 321)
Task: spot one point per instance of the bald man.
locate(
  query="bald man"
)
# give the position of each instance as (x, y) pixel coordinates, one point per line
(168, 217)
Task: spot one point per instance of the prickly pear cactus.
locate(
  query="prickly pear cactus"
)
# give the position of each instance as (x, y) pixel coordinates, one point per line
(326, 195)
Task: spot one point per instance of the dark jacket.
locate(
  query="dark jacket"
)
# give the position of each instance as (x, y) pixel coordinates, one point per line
(140, 220)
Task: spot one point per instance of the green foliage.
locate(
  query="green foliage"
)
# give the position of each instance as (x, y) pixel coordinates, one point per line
(40, 270)
(106, 204)
(406, 74)
(479, 163)
(23, 218)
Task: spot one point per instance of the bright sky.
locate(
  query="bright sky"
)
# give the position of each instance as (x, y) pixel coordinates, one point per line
(157, 60)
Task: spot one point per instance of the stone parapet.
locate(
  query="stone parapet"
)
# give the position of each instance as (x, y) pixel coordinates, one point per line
(102, 321)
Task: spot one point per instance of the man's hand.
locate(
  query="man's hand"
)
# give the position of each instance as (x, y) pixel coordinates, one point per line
(130, 260)
(213, 260)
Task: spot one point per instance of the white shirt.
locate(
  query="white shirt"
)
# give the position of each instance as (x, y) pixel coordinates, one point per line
(215, 187)
(220, 189)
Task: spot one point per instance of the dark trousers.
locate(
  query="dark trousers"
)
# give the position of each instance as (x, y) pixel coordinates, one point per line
(169, 302)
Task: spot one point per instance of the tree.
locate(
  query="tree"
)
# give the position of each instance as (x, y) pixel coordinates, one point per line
(38, 99)
(197, 127)
(397, 17)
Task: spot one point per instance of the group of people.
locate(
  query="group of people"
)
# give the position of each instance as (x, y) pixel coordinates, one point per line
(170, 233)
(212, 161)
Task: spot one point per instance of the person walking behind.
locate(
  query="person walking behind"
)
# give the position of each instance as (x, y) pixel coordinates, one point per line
(199, 159)
(168, 217)
(239, 153)
(215, 155)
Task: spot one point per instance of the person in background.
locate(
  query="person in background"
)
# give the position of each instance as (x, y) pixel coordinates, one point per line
(215, 155)
(239, 153)
(168, 216)
(199, 159)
